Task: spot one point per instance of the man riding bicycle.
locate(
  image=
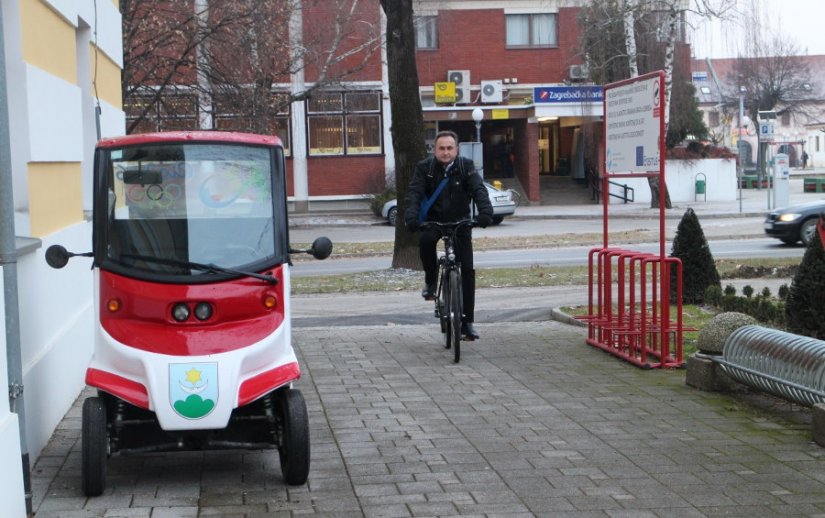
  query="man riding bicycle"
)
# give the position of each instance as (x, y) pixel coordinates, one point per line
(441, 190)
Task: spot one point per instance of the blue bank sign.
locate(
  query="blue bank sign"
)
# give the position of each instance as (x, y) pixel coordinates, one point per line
(567, 94)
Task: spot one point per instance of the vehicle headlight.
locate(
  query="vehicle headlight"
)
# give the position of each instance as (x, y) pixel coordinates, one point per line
(180, 312)
(790, 216)
(203, 310)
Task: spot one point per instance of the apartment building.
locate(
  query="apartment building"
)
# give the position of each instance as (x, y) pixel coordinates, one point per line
(62, 62)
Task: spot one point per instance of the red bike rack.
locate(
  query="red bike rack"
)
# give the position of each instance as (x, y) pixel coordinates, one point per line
(629, 292)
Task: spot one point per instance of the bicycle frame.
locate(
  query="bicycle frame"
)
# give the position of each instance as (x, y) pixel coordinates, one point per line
(449, 301)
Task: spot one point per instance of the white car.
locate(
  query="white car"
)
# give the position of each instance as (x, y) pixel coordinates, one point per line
(504, 204)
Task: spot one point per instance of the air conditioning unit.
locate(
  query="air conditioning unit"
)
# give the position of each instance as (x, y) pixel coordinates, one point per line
(491, 91)
(578, 72)
(461, 78)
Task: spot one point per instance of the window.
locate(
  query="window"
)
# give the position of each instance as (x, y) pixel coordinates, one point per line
(713, 119)
(786, 119)
(344, 123)
(816, 141)
(426, 32)
(531, 30)
(232, 111)
(167, 112)
(705, 90)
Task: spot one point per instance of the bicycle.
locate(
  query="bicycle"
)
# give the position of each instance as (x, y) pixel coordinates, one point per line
(448, 299)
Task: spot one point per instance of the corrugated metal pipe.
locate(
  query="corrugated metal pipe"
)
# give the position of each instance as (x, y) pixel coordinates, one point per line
(783, 364)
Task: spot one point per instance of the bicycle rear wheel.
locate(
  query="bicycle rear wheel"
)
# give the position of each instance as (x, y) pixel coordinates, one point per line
(455, 312)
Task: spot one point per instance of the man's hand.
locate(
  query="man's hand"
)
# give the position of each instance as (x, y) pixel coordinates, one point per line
(484, 220)
(412, 225)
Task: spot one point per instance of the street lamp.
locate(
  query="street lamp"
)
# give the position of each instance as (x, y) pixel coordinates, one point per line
(744, 121)
(478, 115)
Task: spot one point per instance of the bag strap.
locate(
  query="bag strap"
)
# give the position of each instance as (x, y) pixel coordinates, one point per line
(425, 207)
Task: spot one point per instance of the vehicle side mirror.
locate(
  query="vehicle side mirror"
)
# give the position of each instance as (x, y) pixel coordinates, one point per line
(57, 256)
(321, 248)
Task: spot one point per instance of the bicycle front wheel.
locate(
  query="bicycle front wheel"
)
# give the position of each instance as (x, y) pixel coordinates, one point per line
(455, 312)
(441, 303)
(447, 309)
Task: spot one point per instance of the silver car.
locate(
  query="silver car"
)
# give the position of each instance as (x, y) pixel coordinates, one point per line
(504, 204)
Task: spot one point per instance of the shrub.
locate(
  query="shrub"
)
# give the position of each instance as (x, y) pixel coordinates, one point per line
(698, 268)
(378, 200)
(713, 295)
(716, 330)
(805, 307)
(747, 290)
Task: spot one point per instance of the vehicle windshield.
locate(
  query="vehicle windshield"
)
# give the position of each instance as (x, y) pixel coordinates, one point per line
(173, 208)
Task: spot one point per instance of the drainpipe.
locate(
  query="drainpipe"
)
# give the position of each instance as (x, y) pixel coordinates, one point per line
(8, 261)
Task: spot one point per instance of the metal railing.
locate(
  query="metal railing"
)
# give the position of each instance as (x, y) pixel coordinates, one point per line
(628, 193)
(783, 364)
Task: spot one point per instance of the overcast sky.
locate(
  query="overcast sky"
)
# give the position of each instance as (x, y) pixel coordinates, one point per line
(799, 21)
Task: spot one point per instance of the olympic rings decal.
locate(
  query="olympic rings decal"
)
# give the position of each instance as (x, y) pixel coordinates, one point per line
(154, 195)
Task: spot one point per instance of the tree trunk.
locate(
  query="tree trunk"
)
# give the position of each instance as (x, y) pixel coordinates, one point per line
(655, 193)
(407, 123)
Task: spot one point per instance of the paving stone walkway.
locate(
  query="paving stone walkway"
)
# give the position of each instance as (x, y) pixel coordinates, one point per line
(532, 422)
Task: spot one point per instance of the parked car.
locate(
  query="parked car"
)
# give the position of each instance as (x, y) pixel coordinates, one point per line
(504, 204)
(794, 223)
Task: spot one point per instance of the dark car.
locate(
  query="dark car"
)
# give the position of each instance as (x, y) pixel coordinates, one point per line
(795, 223)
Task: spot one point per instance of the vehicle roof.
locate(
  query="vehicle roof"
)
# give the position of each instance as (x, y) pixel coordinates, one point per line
(218, 137)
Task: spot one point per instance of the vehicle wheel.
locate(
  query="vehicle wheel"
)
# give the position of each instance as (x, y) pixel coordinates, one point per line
(293, 449)
(455, 312)
(392, 215)
(94, 446)
(497, 220)
(806, 231)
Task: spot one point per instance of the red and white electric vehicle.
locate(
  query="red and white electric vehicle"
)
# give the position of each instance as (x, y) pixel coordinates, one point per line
(191, 265)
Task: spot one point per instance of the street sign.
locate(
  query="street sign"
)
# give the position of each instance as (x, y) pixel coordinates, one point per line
(444, 92)
(765, 130)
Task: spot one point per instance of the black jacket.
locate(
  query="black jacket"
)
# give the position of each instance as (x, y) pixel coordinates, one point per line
(453, 204)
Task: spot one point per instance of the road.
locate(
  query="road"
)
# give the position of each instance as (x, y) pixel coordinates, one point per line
(370, 229)
(556, 256)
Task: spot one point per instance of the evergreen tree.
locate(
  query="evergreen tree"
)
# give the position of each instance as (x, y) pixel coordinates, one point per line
(698, 268)
(806, 305)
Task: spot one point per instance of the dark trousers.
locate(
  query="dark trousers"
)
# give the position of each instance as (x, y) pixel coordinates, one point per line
(427, 244)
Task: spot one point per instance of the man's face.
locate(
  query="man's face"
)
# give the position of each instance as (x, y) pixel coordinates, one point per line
(446, 149)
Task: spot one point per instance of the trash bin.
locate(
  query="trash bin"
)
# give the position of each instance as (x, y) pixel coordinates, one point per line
(700, 187)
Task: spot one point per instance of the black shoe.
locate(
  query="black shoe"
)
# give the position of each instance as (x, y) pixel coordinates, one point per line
(428, 292)
(468, 331)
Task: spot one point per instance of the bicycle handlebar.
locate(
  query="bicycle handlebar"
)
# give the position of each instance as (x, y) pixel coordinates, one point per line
(450, 225)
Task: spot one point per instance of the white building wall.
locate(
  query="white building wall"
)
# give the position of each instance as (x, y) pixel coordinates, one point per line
(52, 120)
(681, 176)
(12, 496)
(57, 332)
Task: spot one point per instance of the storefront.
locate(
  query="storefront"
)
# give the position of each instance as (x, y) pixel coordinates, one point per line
(555, 131)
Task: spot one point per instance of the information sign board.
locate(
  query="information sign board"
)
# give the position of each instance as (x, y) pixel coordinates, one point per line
(633, 125)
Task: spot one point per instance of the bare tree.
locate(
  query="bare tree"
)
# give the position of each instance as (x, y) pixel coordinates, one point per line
(774, 74)
(230, 54)
(638, 36)
(407, 119)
